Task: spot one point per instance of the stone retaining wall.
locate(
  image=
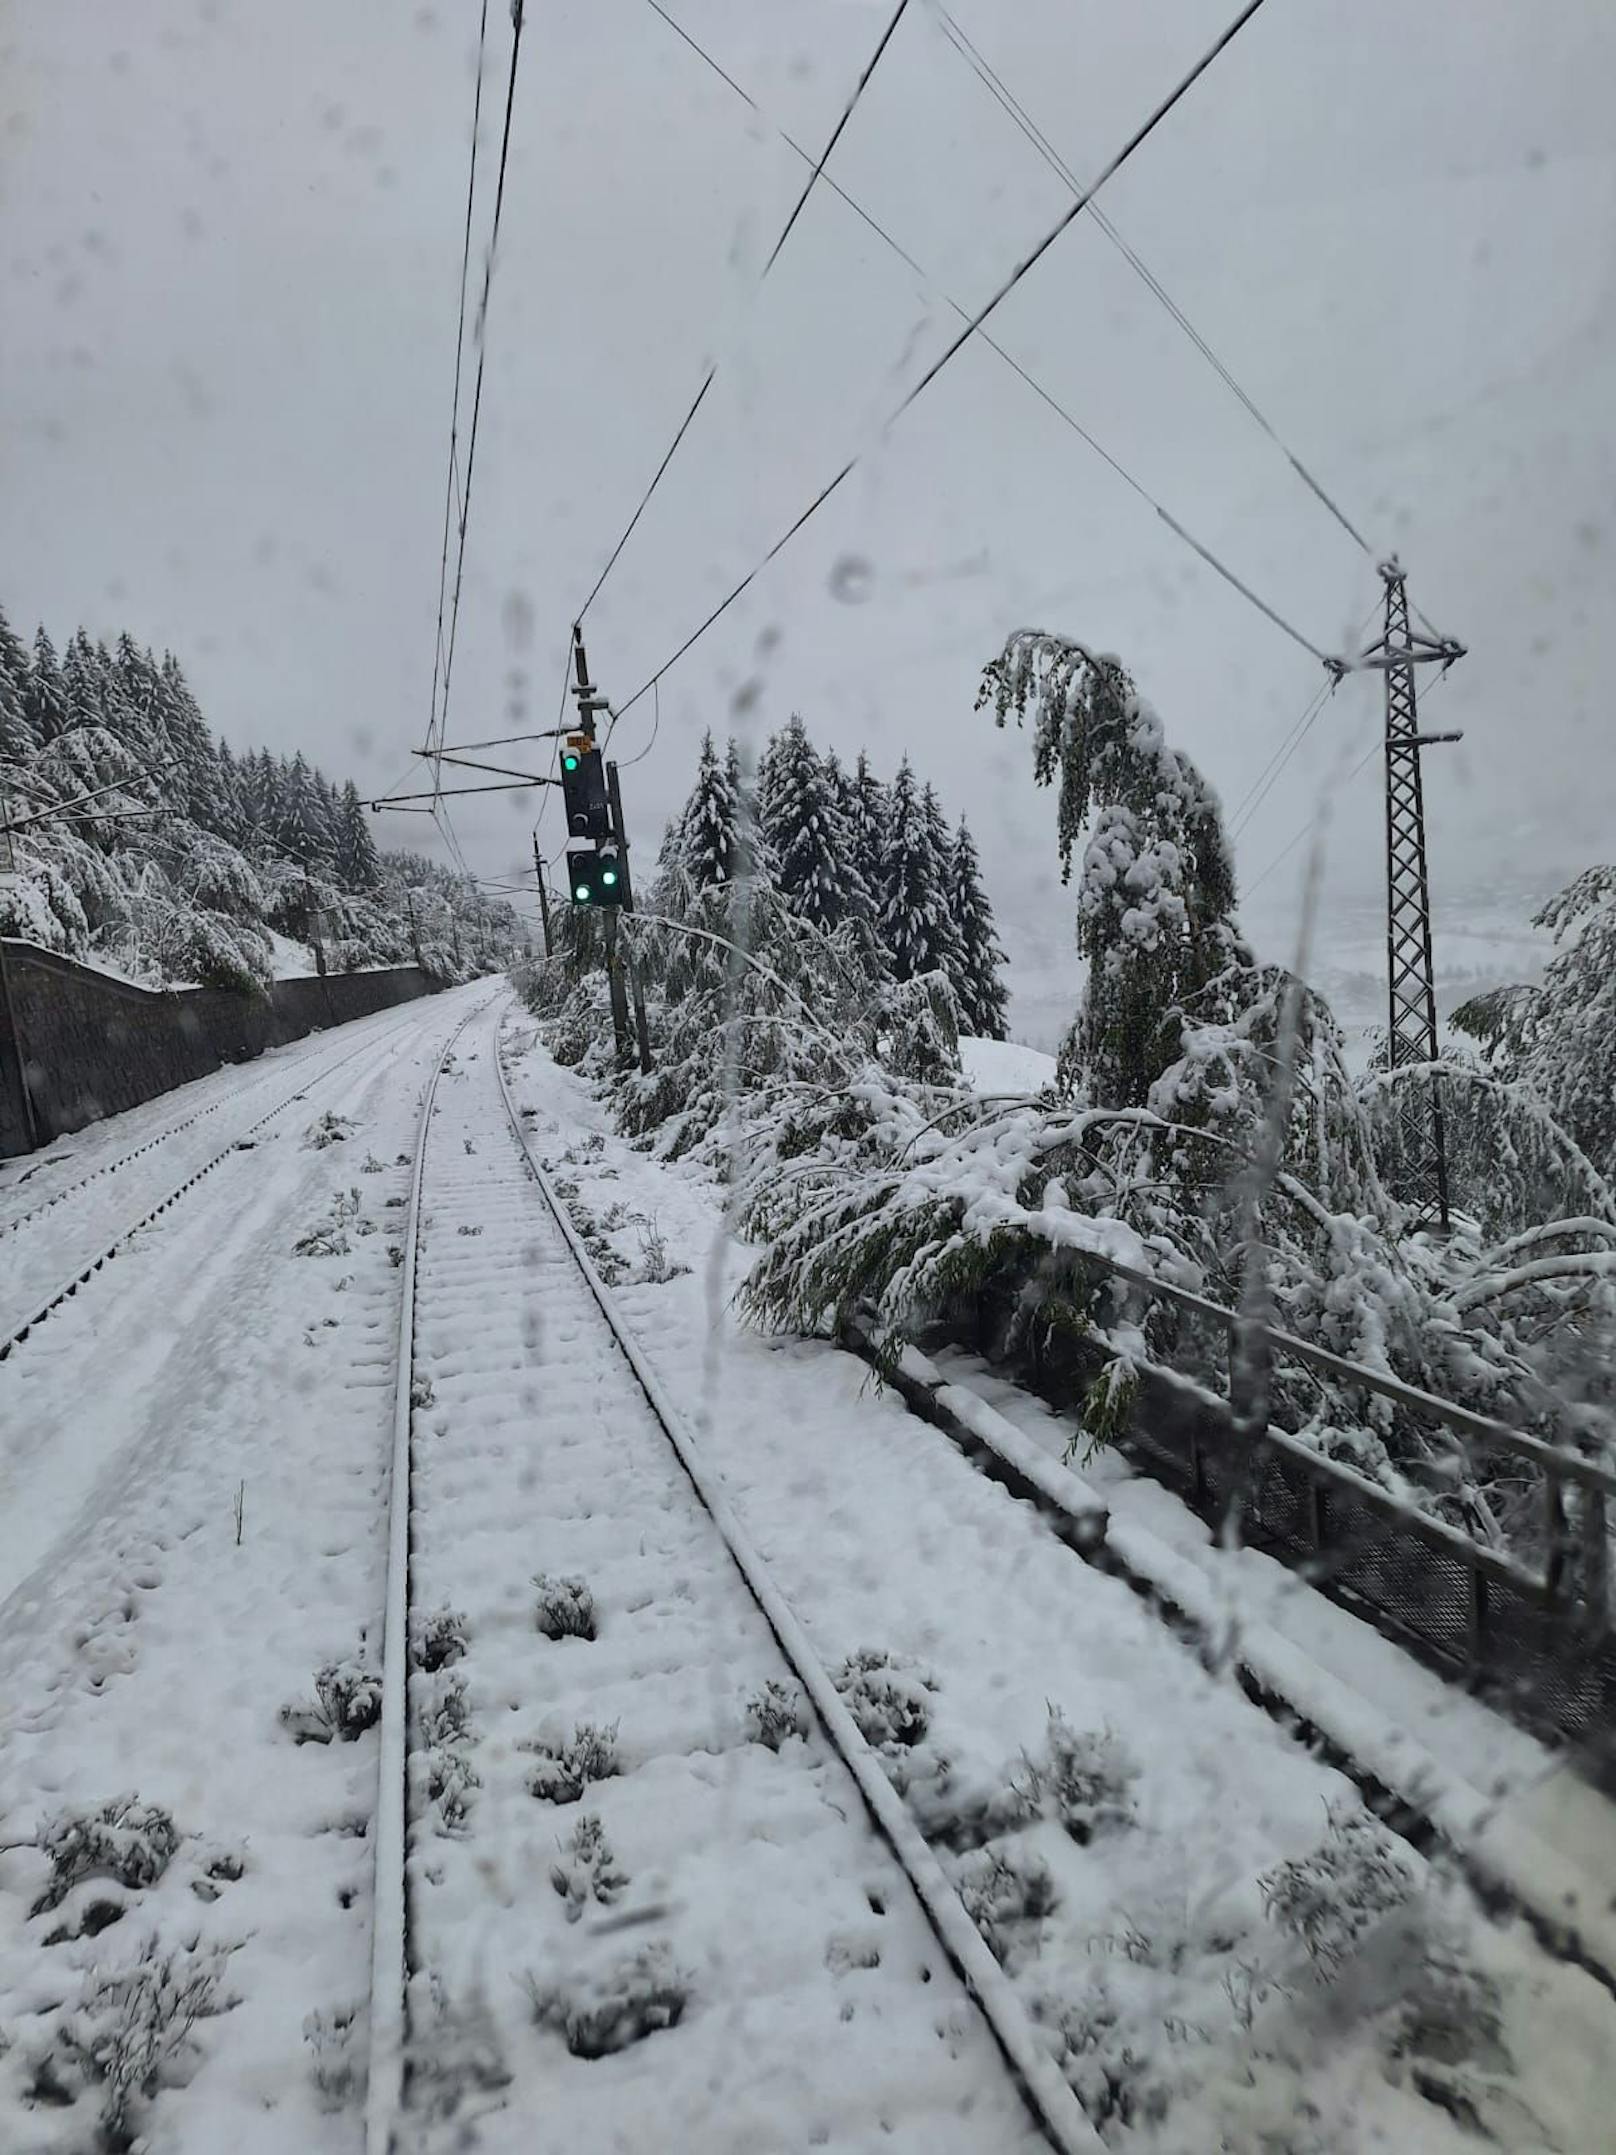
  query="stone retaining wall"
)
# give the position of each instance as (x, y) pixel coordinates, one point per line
(86, 1045)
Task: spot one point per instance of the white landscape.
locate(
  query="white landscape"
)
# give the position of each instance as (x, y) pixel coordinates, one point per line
(807, 1079)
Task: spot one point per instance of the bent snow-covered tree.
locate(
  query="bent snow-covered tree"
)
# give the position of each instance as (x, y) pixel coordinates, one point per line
(1156, 884)
(1152, 1157)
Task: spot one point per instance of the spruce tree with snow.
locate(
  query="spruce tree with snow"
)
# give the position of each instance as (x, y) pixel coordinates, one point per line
(914, 931)
(47, 702)
(709, 828)
(868, 814)
(358, 866)
(950, 949)
(977, 984)
(302, 827)
(802, 822)
(17, 741)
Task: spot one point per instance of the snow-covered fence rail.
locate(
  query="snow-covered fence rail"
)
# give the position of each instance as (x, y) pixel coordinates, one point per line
(1539, 1634)
(77, 1044)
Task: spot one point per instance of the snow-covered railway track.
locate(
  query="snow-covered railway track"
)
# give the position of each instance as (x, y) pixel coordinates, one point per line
(96, 1246)
(621, 1798)
(11, 1223)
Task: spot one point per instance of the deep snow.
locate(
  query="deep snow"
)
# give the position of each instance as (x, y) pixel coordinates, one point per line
(145, 1650)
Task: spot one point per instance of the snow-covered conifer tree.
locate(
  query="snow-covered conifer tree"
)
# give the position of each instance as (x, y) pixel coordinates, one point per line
(977, 985)
(1156, 891)
(1560, 1039)
(47, 703)
(868, 813)
(914, 932)
(709, 828)
(17, 741)
(357, 864)
(801, 817)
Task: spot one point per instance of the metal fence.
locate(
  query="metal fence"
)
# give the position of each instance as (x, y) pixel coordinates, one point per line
(1536, 1637)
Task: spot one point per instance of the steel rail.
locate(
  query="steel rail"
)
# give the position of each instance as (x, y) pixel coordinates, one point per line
(389, 1976)
(1049, 2098)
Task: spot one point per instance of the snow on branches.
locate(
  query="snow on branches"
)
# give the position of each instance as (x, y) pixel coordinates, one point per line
(144, 846)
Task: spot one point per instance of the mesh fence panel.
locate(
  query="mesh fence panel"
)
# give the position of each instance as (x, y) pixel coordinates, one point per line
(1543, 1662)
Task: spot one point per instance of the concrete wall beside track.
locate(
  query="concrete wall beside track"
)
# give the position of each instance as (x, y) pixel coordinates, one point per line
(85, 1044)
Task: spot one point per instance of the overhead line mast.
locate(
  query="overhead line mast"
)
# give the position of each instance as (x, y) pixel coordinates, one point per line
(1411, 1034)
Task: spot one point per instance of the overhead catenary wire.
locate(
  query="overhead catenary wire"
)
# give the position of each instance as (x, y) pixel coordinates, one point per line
(972, 326)
(1006, 98)
(451, 484)
(443, 822)
(1312, 822)
(774, 255)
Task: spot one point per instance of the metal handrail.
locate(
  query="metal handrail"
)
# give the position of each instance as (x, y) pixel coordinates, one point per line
(1479, 1428)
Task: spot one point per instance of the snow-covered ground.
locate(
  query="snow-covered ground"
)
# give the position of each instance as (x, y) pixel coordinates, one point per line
(194, 1453)
(1005, 1066)
(197, 1450)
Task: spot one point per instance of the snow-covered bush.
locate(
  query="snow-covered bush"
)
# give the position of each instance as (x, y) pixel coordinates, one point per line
(566, 1608)
(440, 1638)
(565, 1770)
(776, 1713)
(587, 1869)
(888, 1697)
(1331, 1898)
(132, 2031)
(1108, 2069)
(442, 1709)
(605, 2012)
(348, 1701)
(1450, 2012)
(1006, 1894)
(329, 1237)
(338, 2075)
(455, 2053)
(122, 1839)
(451, 1781)
(1083, 1778)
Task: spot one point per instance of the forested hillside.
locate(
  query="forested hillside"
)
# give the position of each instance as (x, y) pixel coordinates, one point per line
(801, 921)
(143, 844)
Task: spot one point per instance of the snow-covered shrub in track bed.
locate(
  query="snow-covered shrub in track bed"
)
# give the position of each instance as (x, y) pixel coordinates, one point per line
(565, 1770)
(1006, 1893)
(1084, 1779)
(566, 1608)
(587, 1869)
(1330, 1899)
(888, 1697)
(348, 1701)
(440, 1638)
(603, 2013)
(129, 1842)
(775, 1714)
(131, 2033)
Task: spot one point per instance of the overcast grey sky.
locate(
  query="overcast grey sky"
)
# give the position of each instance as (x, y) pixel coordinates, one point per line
(229, 248)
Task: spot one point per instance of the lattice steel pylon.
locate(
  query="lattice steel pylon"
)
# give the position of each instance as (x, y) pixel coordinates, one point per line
(1411, 1033)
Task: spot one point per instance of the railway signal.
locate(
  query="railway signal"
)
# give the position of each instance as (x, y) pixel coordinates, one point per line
(583, 788)
(599, 879)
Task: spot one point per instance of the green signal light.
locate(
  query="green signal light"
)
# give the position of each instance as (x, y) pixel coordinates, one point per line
(569, 762)
(581, 893)
(609, 878)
